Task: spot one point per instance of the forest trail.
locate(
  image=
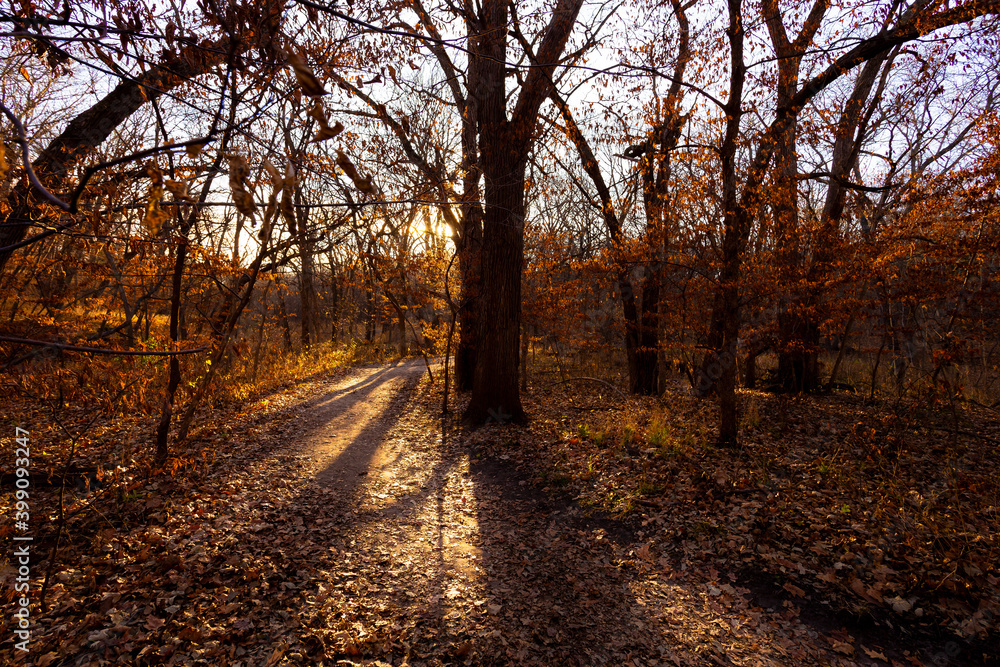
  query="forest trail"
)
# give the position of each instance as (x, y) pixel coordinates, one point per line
(345, 430)
(430, 557)
(368, 530)
(344, 521)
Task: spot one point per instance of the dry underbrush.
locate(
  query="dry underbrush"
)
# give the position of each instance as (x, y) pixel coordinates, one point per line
(882, 511)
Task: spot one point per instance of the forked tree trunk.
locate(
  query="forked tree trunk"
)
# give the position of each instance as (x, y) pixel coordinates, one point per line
(504, 145)
(798, 337)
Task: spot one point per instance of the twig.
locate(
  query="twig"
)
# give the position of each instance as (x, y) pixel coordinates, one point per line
(61, 520)
(73, 205)
(22, 140)
(89, 173)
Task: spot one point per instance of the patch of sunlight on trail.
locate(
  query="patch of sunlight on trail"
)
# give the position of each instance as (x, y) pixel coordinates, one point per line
(435, 536)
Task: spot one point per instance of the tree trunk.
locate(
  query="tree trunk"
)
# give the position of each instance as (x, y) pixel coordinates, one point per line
(174, 379)
(369, 311)
(469, 265)
(798, 349)
(646, 379)
(750, 370)
(504, 145)
(334, 308)
(260, 334)
(850, 135)
(718, 371)
(402, 332)
(495, 390)
(307, 291)
(797, 338)
(524, 358)
(840, 353)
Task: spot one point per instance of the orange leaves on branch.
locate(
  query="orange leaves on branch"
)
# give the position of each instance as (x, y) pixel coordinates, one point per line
(310, 85)
(194, 150)
(105, 58)
(277, 185)
(178, 189)
(4, 165)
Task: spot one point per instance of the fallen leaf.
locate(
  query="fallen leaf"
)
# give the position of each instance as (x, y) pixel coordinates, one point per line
(899, 605)
(794, 590)
(276, 655)
(875, 655)
(842, 647)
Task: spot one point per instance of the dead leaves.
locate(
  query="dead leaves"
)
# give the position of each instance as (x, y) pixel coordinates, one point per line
(794, 590)
(4, 165)
(874, 655)
(277, 654)
(815, 528)
(325, 131)
(363, 184)
(288, 581)
(842, 647)
(155, 217)
(304, 76)
(179, 189)
(239, 171)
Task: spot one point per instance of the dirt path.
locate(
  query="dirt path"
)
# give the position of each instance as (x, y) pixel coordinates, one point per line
(445, 559)
(345, 430)
(348, 523)
(389, 542)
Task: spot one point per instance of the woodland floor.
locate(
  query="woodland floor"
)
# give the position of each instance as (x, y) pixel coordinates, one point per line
(344, 521)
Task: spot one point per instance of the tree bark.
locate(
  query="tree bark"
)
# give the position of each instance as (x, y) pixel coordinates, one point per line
(286, 330)
(495, 390)
(797, 338)
(718, 370)
(469, 245)
(174, 378)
